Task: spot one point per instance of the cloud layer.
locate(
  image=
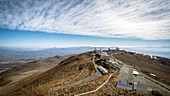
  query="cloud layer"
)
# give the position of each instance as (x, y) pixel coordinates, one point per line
(144, 19)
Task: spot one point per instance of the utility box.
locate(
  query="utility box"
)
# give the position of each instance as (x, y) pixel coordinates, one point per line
(135, 86)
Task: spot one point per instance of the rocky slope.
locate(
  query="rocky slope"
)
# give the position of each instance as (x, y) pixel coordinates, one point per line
(79, 67)
(159, 66)
(11, 76)
(72, 69)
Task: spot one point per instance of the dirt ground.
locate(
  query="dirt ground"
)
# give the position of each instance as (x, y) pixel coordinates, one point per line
(11, 78)
(147, 65)
(70, 70)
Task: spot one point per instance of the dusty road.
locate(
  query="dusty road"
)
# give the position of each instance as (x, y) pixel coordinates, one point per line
(90, 78)
(156, 85)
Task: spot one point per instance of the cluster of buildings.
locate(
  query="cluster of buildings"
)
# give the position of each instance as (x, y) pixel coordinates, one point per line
(103, 56)
(130, 79)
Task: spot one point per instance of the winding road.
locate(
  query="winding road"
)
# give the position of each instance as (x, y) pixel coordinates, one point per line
(90, 78)
(154, 83)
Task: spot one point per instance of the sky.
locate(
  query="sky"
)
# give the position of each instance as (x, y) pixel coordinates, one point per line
(70, 23)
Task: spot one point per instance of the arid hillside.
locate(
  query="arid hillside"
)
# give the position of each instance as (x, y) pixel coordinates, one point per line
(158, 66)
(64, 77)
(76, 75)
(11, 76)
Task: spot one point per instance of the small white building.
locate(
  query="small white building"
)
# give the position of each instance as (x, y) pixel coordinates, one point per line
(153, 57)
(131, 80)
(104, 56)
(125, 78)
(125, 84)
(102, 70)
(136, 73)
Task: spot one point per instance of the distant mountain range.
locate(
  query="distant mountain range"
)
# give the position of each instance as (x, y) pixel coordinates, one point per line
(21, 53)
(163, 51)
(7, 53)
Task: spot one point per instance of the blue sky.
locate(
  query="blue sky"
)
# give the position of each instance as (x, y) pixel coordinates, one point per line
(68, 23)
(31, 39)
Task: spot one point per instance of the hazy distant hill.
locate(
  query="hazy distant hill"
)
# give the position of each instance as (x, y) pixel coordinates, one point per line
(163, 51)
(28, 69)
(19, 53)
(25, 53)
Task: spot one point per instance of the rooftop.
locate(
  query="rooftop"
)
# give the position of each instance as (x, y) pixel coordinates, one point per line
(126, 73)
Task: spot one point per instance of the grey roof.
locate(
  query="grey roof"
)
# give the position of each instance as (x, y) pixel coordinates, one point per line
(126, 73)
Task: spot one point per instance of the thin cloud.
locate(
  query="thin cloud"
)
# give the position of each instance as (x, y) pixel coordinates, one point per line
(144, 19)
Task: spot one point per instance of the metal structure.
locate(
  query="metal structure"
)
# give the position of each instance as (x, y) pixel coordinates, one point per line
(131, 80)
(102, 70)
(104, 56)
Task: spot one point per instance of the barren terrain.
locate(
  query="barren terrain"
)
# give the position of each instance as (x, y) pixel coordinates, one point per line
(64, 76)
(12, 76)
(160, 66)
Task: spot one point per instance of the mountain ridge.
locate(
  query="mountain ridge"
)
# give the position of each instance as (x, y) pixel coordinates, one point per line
(70, 70)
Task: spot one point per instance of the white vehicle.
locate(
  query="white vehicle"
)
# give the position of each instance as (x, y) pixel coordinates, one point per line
(111, 63)
(115, 63)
